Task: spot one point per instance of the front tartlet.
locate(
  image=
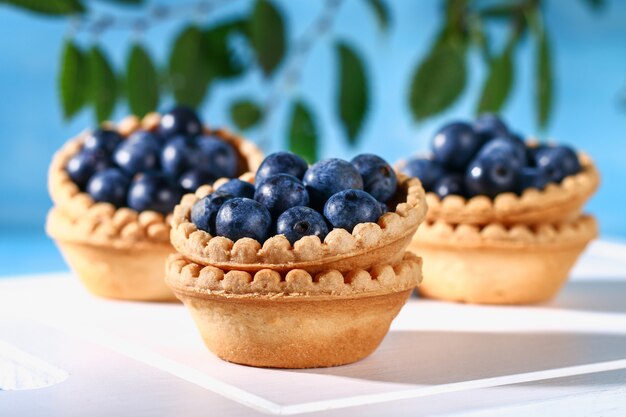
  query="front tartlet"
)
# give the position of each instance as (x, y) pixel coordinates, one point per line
(497, 264)
(118, 252)
(368, 244)
(293, 319)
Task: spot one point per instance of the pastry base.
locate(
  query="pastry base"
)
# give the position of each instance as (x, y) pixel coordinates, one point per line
(120, 273)
(492, 275)
(294, 332)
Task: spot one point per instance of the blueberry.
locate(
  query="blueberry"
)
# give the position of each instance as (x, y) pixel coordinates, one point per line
(489, 126)
(109, 186)
(532, 151)
(177, 156)
(383, 207)
(301, 221)
(379, 179)
(455, 145)
(237, 188)
(494, 170)
(281, 192)
(510, 144)
(216, 157)
(532, 177)
(86, 163)
(191, 180)
(243, 217)
(154, 191)
(105, 140)
(180, 120)
(348, 208)
(450, 184)
(427, 170)
(558, 162)
(281, 163)
(329, 176)
(139, 153)
(204, 212)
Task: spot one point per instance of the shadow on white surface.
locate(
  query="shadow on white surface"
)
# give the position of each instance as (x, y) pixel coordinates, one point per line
(603, 296)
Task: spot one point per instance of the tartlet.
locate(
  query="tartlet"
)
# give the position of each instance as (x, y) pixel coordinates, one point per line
(118, 252)
(497, 264)
(293, 319)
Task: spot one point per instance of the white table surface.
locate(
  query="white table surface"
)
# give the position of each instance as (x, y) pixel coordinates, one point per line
(567, 357)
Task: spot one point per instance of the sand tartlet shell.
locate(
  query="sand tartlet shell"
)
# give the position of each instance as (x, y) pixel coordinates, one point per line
(125, 222)
(555, 203)
(496, 264)
(369, 243)
(296, 320)
(208, 281)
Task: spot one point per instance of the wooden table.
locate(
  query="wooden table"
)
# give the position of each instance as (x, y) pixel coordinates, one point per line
(565, 358)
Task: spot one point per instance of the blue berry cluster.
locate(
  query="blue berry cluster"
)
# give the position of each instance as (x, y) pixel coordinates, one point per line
(152, 170)
(292, 199)
(487, 158)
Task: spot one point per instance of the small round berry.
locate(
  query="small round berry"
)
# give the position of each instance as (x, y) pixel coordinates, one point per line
(180, 120)
(379, 179)
(154, 191)
(512, 145)
(281, 192)
(489, 126)
(329, 176)
(104, 140)
(301, 221)
(109, 186)
(383, 207)
(177, 156)
(216, 157)
(348, 208)
(139, 153)
(532, 177)
(455, 145)
(450, 184)
(281, 163)
(191, 180)
(84, 164)
(427, 170)
(204, 211)
(558, 162)
(493, 171)
(237, 188)
(243, 217)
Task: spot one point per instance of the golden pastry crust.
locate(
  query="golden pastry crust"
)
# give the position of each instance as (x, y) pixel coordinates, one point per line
(500, 265)
(555, 203)
(123, 226)
(296, 327)
(209, 281)
(369, 244)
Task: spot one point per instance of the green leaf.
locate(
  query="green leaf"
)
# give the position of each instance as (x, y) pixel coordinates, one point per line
(102, 84)
(303, 134)
(353, 97)
(48, 7)
(267, 35)
(220, 59)
(498, 83)
(73, 80)
(438, 81)
(595, 4)
(381, 12)
(141, 82)
(245, 114)
(190, 75)
(543, 80)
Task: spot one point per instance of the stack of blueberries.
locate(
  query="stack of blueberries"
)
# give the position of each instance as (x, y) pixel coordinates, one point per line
(151, 170)
(486, 158)
(295, 200)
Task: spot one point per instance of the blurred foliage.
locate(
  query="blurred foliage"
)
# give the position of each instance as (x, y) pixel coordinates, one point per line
(204, 54)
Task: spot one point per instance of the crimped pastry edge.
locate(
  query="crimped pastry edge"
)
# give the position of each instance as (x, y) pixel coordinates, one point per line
(207, 281)
(124, 226)
(220, 251)
(531, 206)
(496, 235)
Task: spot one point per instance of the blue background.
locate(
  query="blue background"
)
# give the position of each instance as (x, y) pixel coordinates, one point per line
(589, 57)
